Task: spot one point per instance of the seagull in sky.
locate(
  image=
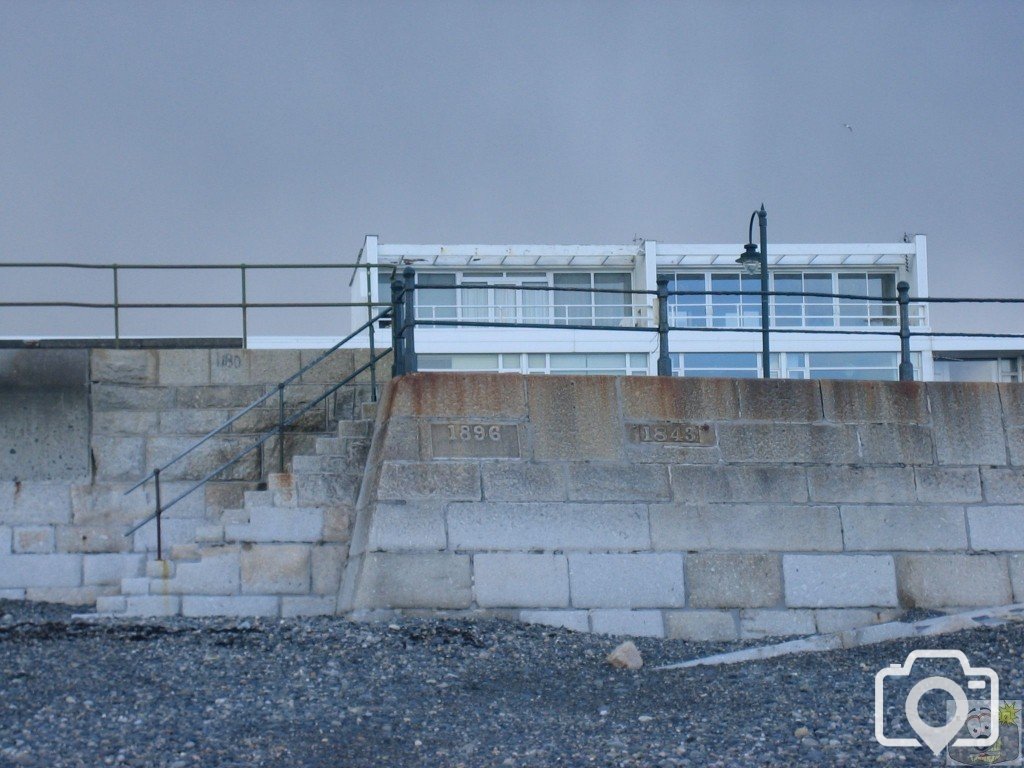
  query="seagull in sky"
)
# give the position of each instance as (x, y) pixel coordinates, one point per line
(848, 127)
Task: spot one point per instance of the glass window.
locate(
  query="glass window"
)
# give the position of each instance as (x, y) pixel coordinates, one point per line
(572, 306)
(469, 362)
(735, 311)
(435, 297)
(789, 310)
(687, 311)
(853, 365)
(610, 308)
(818, 309)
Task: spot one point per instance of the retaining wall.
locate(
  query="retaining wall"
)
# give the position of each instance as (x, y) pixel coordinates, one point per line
(86, 425)
(697, 508)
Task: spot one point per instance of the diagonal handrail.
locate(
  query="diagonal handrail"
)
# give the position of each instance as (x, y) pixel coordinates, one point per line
(263, 437)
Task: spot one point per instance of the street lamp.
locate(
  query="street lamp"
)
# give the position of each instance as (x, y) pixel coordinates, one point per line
(753, 263)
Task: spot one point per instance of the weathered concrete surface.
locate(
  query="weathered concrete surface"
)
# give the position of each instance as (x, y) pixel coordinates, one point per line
(44, 417)
(804, 506)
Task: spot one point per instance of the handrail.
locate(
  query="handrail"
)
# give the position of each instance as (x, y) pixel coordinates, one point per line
(263, 437)
(117, 305)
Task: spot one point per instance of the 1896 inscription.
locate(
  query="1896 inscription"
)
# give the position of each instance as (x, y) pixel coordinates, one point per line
(457, 440)
(672, 433)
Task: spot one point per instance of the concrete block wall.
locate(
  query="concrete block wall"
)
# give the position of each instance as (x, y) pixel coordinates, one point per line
(696, 508)
(63, 539)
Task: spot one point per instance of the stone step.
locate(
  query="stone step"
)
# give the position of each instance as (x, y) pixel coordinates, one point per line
(330, 446)
(356, 428)
(329, 489)
(234, 516)
(324, 463)
(368, 410)
(282, 481)
(267, 524)
(210, 534)
(258, 498)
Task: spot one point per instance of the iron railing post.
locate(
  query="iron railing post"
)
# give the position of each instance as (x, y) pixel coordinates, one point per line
(117, 311)
(766, 355)
(664, 360)
(397, 323)
(903, 297)
(409, 320)
(159, 514)
(369, 318)
(245, 308)
(280, 428)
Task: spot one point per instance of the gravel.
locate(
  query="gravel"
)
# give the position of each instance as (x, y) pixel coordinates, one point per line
(329, 692)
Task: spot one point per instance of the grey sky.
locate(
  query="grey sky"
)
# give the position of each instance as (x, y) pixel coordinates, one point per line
(285, 131)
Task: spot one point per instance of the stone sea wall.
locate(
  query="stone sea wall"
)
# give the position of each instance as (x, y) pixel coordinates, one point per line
(698, 508)
(80, 427)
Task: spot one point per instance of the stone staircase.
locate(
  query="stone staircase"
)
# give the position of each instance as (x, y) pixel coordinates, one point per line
(281, 554)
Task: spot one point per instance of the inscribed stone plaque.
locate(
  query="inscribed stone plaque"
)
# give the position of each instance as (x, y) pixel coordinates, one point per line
(457, 440)
(671, 433)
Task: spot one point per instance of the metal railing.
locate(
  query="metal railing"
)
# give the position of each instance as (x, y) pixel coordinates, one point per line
(895, 312)
(278, 431)
(117, 305)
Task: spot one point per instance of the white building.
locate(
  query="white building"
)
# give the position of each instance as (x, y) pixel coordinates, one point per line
(476, 283)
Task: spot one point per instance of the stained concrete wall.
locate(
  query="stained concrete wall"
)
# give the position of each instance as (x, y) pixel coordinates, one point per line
(696, 508)
(44, 414)
(62, 521)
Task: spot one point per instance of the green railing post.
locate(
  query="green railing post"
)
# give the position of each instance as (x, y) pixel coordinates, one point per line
(664, 361)
(409, 320)
(397, 323)
(370, 330)
(903, 297)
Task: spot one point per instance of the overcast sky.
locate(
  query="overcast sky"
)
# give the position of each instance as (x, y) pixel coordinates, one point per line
(136, 132)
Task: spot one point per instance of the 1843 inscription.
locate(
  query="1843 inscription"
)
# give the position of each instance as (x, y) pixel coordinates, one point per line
(461, 440)
(672, 433)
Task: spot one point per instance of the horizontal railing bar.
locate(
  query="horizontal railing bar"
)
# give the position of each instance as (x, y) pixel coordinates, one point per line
(944, 300)
(74, 265)
(971, 335)
(208, 305)
(566, 326)
(645, 329)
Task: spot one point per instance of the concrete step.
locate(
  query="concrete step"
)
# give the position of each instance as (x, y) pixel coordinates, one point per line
(368, 410)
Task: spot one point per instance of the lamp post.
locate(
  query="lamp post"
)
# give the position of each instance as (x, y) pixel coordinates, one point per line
(753, 262)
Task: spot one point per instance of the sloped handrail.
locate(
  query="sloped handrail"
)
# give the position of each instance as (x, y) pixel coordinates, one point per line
(263, 437)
